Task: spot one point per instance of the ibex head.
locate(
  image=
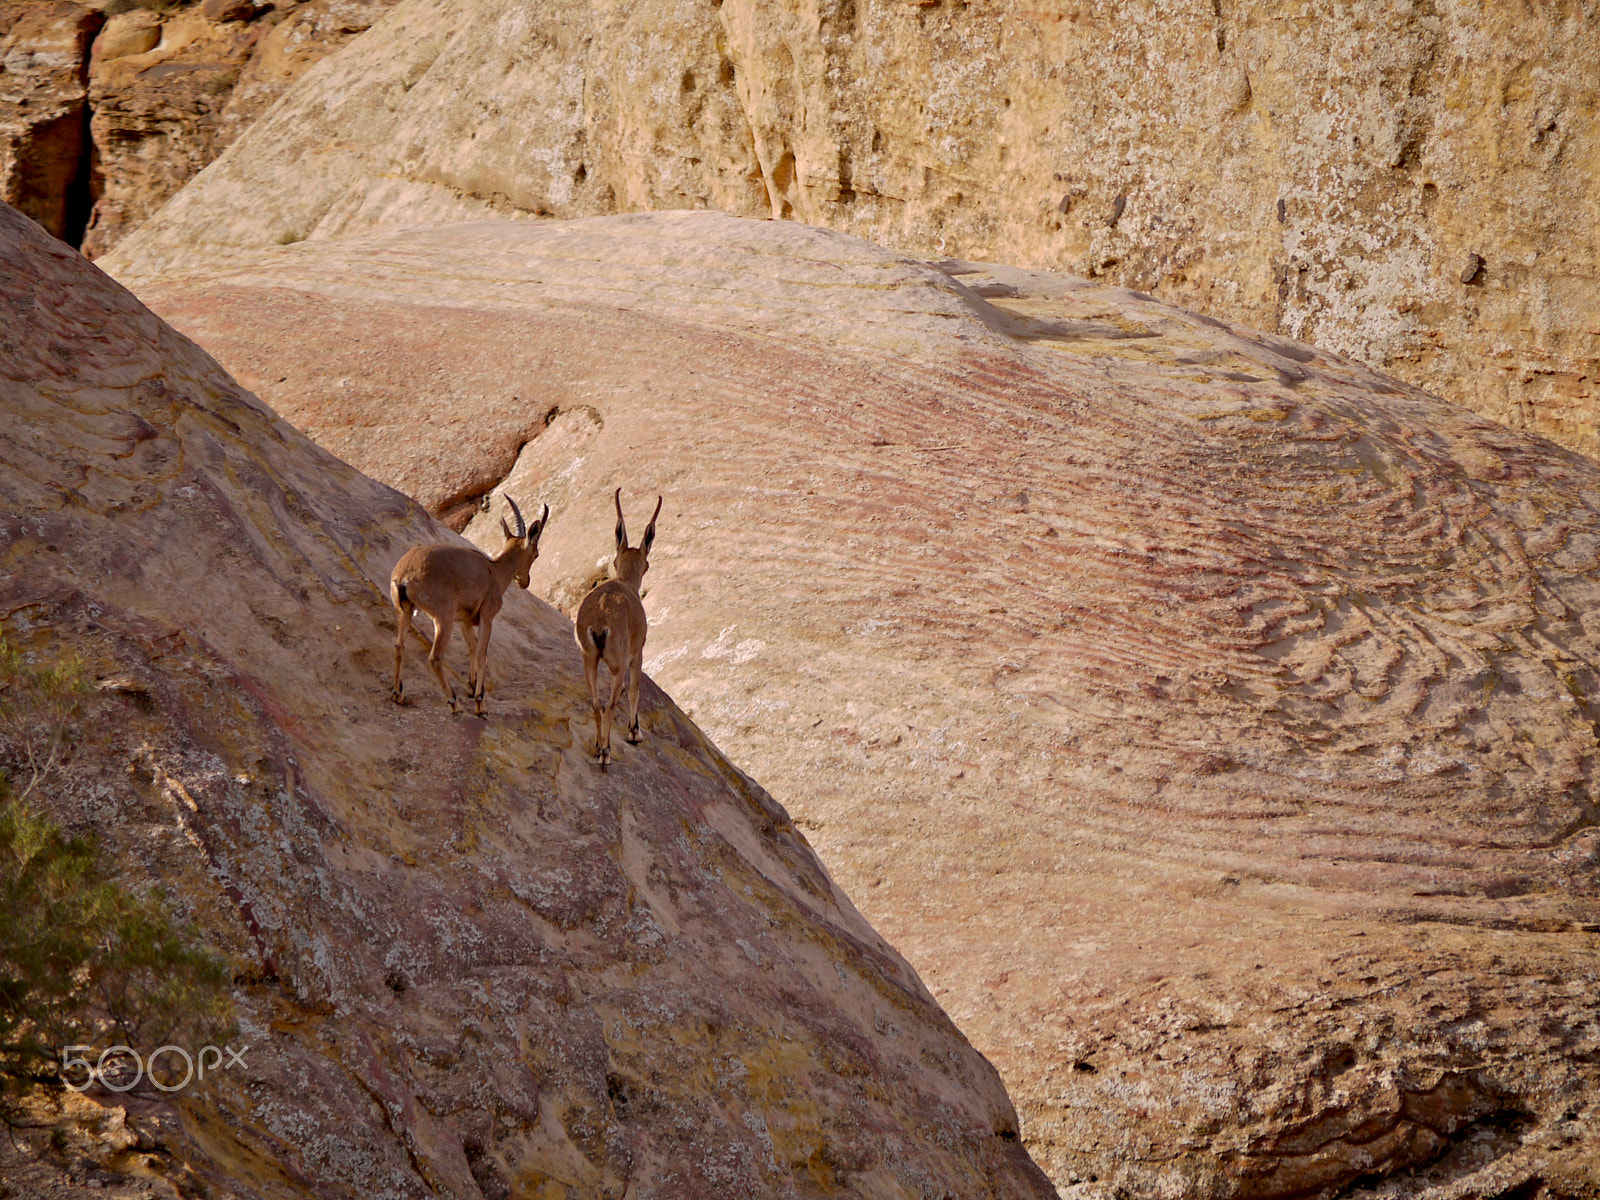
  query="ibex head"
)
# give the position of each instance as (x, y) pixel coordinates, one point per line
(524, 543)
(632, 562)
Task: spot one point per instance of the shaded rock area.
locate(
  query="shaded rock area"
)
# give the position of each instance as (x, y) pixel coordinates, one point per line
(107, 109)
(44, 89)
(470, 963)
(1328, 173)
(1210, 719)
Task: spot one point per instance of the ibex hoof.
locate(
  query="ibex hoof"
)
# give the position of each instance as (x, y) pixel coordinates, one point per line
(605, 758)
(398, 696)
(633, 736)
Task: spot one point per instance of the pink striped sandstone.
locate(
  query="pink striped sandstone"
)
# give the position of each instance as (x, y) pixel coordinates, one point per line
(1207, 717)
(471, 964)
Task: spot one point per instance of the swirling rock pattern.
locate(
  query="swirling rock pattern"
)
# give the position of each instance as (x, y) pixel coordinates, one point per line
(470, 963)
(1209, 718)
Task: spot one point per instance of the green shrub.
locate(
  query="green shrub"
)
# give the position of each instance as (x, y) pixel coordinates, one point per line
(83, 959)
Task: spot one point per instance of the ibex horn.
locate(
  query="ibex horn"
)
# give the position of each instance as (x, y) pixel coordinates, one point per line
(622, 527)
(522, 529)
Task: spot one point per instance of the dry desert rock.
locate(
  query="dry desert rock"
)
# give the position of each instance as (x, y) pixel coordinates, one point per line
(470, 964)
(1210, 719)
(102, 118)
(1416, 185)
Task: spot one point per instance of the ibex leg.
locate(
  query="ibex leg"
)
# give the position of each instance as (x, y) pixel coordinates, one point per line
(441, 639)
(591, 675)
(617, 678)
(402, 617)
(635, 669)
(470, 636)
(481, 667)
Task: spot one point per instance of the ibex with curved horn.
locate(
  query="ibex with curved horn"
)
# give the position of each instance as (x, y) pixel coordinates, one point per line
(458, 583)
(611, 625)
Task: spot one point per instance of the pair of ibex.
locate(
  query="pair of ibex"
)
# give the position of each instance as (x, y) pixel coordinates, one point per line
(459, 584)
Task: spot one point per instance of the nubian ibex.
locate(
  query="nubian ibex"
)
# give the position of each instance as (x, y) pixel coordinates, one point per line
(459, 583)
(611, 625)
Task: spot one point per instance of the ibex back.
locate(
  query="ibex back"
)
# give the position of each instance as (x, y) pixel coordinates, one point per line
(458, 583)
(611, 625)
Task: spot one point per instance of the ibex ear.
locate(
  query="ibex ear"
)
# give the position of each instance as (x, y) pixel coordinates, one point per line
(622, 527)
(650, 529)
(505, 529)
(538, 526)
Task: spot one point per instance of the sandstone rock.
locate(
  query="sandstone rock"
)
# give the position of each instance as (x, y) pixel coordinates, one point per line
(97, 131)
(162, 114)
(127, 33)
(1210, 719)
(470, 963)
(230, 10)
(43, 48)
(1321, 175)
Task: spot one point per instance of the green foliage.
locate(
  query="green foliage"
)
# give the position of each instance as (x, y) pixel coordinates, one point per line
(38, 708)
(52, 906)
(82, 958)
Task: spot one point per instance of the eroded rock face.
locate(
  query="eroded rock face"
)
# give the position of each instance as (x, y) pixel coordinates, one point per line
(43, 118)
(1209, 717)
(165, 109)
(1414, 185)
(473, 964)
(103, 118)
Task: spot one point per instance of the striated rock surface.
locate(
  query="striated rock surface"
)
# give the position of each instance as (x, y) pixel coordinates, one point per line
(43, 116)
(1210, 719)
(471, 964)
(1412, 184)
(102, 118)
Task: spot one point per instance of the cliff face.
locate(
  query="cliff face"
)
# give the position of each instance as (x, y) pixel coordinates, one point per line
(471, 964)
(103, 118)
(1211, 719)
(1414, 185)
(43, 120)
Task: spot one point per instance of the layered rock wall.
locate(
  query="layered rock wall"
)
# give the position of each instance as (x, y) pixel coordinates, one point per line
(107, 109)
(44, 135)
(1413, 184)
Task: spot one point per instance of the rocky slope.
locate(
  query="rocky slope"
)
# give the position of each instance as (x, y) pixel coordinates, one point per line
(471, 964)
(107, 109)
(1412, 184)
(1210, 719)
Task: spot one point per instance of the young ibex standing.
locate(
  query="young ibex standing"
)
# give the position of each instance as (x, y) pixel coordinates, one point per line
(611, 625)
(458, 583)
